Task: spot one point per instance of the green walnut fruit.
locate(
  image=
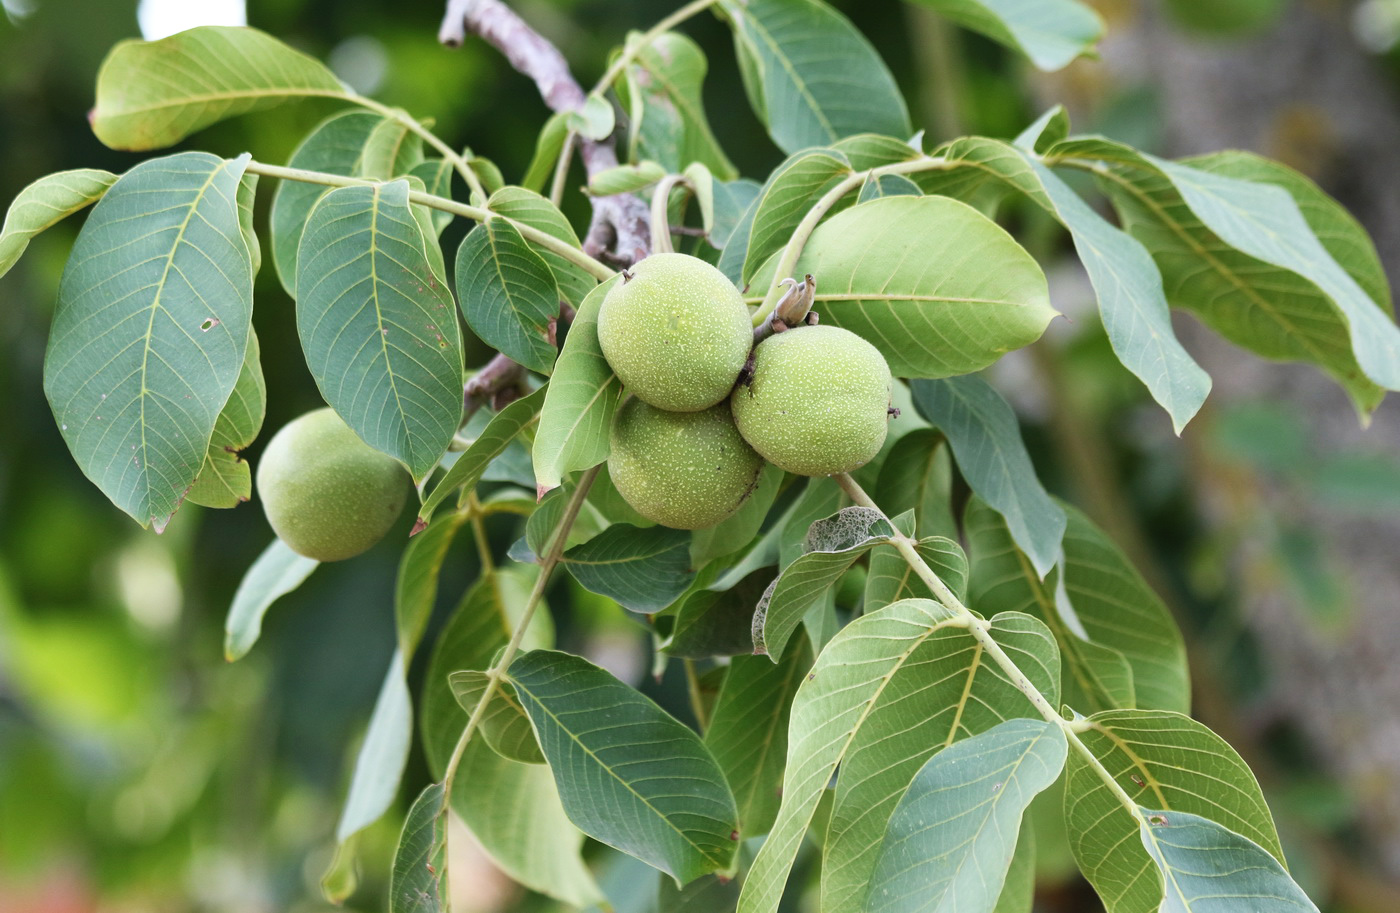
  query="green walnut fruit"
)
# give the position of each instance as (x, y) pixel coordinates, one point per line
(677, 332)
(687, 470)
(328, 494)
(818, 402)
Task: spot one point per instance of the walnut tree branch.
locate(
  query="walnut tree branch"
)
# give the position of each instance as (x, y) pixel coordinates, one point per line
(620, 230)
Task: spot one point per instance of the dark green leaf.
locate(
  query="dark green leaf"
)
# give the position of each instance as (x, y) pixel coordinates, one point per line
(468, 468)
(415, 590)
(645, 570)
(732, 198)
(277, 572)
(225, 480)
(418, 883)
(45, 203)
(718, 622)
(917, 475)
(890, 578)
(736, 531)
(508, 295)
(531, 209)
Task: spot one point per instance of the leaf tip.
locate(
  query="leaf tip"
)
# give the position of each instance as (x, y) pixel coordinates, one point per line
(419, 524)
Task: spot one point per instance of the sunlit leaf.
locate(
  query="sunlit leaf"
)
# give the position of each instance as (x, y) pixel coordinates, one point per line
(45, 203)
(789, 193)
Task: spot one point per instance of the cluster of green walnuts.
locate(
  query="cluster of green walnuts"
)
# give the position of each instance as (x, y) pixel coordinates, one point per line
(706, 409)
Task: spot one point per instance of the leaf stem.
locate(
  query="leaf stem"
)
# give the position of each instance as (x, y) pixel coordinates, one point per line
(697, 698)
(787, 261)
(460, 163)
(981, 632)
(660, 213)
(544, 239)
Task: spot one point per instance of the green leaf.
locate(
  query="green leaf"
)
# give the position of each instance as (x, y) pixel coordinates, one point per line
(718, 622)
(151, 329)
(336, 146)
(225, 480)
(1208, 868)
(831, 547)
(702, 184)
(247, 197)
(512, 808)
(946, 691)
(436, 175)
(748, 732)
(908, 274)
(871, 150)
(662, 93)
(792, 189)
(644, 570)
(917, 475)
(505, 426)
(891, 579)
(732, 198)
(277, 572)
(625, 178)
(831, 706)
(45, 203)
(416, 587)
(811, 75)
(952, 837)
(1050, 32)
(379, 330)
(392, 150)
(531, 209)
(504, 723)
(986, 442)
(508, 295)
(1165, 761)
(578, 409)
(617, 759)
(418, 882)
(1018, 892)
(595, 120)
(736, 531)
(548, 146)
(887, 185)
(152, 94)
(380, 761)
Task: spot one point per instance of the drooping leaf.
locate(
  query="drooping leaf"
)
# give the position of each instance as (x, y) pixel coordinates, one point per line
(831, 547)
(1208, 868)
(908, 274)
(384, 752)
(951, 839)
(811, 76)
(225, 480)
(151, 329)
(718, 622)
(152, 94)
(986, 442)
(418, 882)
(504, 723)
(617, 758)
(507, 294)
(578, 410)
(1050, 32)
(748, 732)
(661, 90)
(789, 193)
(948, 690)
(890, 578)
(531, 209)
(379, 330)
(645, 570)
(277, 572)
(45, 203)
(831, 705)
(503, 428)
(1164, 761)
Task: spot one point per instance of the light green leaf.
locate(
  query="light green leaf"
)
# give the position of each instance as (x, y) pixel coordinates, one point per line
(505, 426)
(436, 175)
(890, 578)
(392, 150)
(946, 691)
(951, 839)
(508, 295)
(662, 93)
(644, 570)
(732, 198)
(830, 548)
(1050, 32)
(907, 273)
(531, 209)
(987, 445)
(625, 178)
(1165, 761)
(811, 75)
(548, 146)
(617, 759)
(45, 203)
(504, 723)
(418, 882)
(225, 480)
(416, 587)
(595, 120)
(718, 622)
(917, 475)
(832, 704)
(336, 146)
(277, 572)
(151, 329)
(748, 732)
(887, 185)
(578, 409)
(152, 94)
(1047, 130)
(871, 150)
(379, 330)
(702, 184)
(384, 752)
(1210, 869)
(792, 189)
(247, 197)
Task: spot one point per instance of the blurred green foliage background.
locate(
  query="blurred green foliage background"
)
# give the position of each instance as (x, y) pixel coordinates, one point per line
(139, 771)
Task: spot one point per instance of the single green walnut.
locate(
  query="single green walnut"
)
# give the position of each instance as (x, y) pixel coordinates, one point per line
(687, 470)
(677, 332)
(818, 402)
(327, 494)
